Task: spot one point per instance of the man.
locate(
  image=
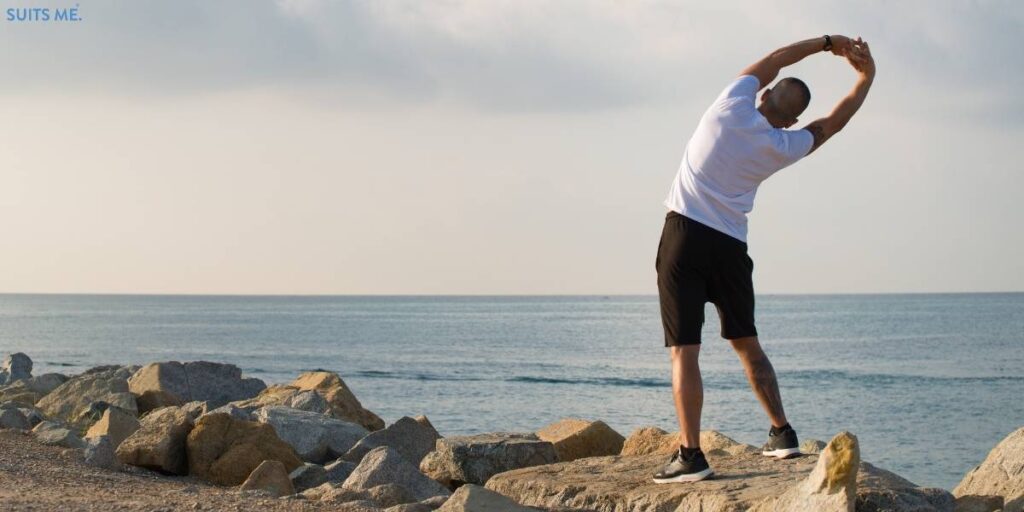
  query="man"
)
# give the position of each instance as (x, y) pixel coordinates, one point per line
(702, 255)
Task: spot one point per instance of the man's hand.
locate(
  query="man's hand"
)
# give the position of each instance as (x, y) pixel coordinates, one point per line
(841, 45)
(860, 58)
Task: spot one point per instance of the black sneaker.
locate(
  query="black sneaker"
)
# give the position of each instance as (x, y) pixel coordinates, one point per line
(782, 445)
(681, 469)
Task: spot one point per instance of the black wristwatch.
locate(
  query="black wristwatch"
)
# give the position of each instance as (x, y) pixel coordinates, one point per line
(828, 43)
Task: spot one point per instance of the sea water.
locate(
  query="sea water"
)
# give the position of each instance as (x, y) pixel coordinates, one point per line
(928, 383)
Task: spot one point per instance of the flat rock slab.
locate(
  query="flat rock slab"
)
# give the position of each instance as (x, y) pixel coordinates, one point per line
(617, 483)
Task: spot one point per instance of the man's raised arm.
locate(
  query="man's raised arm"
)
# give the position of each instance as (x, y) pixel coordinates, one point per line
(860, 58)
(768, 68)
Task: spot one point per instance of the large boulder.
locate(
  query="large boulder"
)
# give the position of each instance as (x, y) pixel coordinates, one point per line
(100, 452)
(271, 477)
(315, 437)
(225, 450)
(411, 438)
(341, 401)
(575, 438)
(384, 465)
(55, 434)
(308, 476)
(742, 481)
(115, 424)
(339, 470)
(474, 498)
(174, 383)
(653, 440)
(160, 441)
(15, 367)
(107, 384)
(14, 419)
(474, 459)
(1000, 474)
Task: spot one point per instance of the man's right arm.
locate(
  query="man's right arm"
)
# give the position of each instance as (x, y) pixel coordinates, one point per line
(824, 128)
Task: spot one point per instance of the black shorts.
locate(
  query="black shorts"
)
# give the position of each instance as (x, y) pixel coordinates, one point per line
(697, 264)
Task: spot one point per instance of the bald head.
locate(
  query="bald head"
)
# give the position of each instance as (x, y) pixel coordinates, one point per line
(786, 101)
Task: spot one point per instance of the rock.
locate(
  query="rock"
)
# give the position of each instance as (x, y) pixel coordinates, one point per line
(174, 383)
(54, 434)
(831, 486)
(878, 489)
(742, 481)
(308, 401)
(19, 392)
(422, 420)
(14, 419)
(269, 476)
(435, 502)
(99, 452)
(412, 439)
(308, 476)
(334, 494)
(45, 383)
(651, 440)
(576, 438)
(384, 465)
(15, 367)
(1000, 474)
(224, 450)
(115, 424)
(102, 384)
(234, 411)
(342, 403)
(153, 399)
(160, 442)
(339, 470)
(974, 503)
(315, 437)
(812, 446)
(33, 415)
(474, 459)
(315, 493)
(411, 507)
(648, 440)
(389, 495)
(473, 498)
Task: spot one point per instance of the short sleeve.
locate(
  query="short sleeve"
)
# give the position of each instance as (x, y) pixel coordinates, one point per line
(795, 144)
(745, 86)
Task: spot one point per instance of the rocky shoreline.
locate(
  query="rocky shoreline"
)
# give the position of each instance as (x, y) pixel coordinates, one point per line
(201, 436)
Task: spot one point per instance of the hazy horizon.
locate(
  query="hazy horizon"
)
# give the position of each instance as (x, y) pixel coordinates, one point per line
(306, 147)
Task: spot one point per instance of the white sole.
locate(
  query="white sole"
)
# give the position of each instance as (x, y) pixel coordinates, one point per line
(693, 477)
(782, 453)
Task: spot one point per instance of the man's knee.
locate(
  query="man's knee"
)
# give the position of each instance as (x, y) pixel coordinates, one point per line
(748, 347)
(684, 351)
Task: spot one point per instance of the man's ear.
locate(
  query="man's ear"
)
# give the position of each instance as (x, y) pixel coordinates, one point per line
(764, 95)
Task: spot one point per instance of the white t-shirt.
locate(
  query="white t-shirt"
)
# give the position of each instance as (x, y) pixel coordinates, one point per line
(732, 151)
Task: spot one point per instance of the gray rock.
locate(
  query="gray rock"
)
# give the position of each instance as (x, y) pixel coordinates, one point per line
(54, 434)
(14, 419)
(339, 470)
(412, 439)
(411, 507)
(15, 367)
(384, 465)
(878, 489)
(45, 383)
(234, 411)
(99, 452)
(975, 503)
(33, 415)
(389, 495)
(308, 476)
(102, 384)
(175, 383)
(315, 437)
(474, 459)
(473, 498)
(308, 401)
(1000, 474)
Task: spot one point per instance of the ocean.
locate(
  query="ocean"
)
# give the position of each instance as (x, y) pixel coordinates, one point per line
(929, 383)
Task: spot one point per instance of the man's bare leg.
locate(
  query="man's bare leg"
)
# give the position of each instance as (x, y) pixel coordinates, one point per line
(762, 377)
(688, 391)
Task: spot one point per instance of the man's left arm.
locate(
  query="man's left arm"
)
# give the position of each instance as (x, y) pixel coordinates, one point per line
(768, 68)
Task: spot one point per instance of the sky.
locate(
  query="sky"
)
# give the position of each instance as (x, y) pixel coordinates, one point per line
(489, 146)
